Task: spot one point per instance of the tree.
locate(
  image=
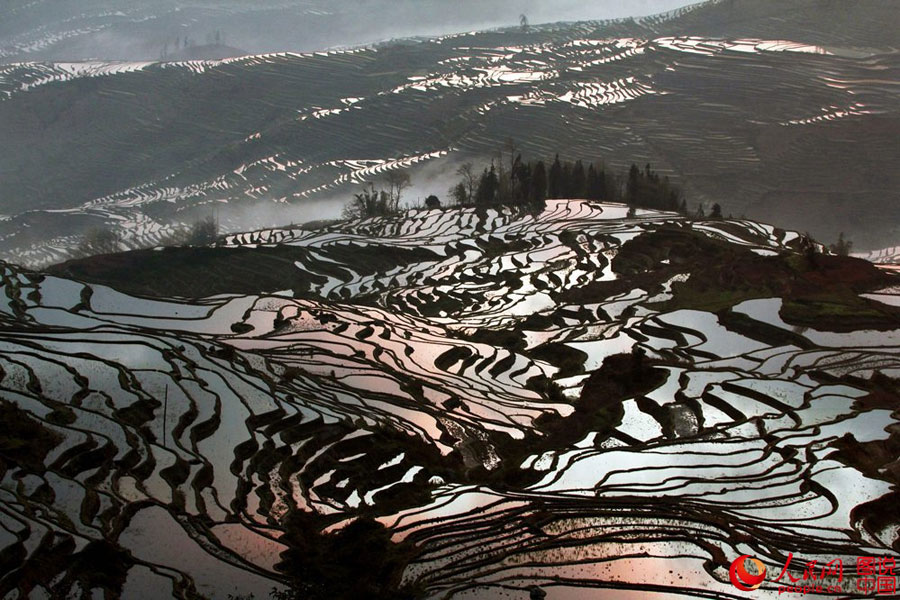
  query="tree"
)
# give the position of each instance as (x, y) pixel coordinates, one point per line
(504, 181)
(370, 203)
(596, 183)
(809, 249)
(523, 22)
(487, 187)
(537, 192)
(513, 155)
(612, 187)
(716, 212)
(469, 181)
(565, 182)
(554, 189)
(397, 181)
(203, 232)
(521, 181)
(579, 181)
(842, 247)
(459, 194)
(671, 196)
(633, 187)
(432, 202)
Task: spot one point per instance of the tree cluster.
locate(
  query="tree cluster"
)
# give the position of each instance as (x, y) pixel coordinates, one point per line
(378, 203)
(528, 184)
(202, 232)
(842, 247)
(511, 181)
(646, 189)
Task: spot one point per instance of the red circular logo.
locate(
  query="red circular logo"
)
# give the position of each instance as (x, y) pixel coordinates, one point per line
(741, 578)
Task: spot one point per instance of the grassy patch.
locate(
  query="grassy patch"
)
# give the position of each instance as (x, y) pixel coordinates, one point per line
(821, 291)
(762, 332)
(844, 315)
(195, 272)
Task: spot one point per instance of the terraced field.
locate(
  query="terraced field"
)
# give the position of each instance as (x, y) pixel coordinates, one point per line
(797, 129)
(465, 403)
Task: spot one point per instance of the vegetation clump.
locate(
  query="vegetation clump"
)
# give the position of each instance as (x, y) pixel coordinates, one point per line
(527, 184)
(842, 247)
(203, 232)
(511, 181)
(379, 203)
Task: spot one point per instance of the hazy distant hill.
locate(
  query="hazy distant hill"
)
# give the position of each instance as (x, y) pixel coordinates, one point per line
(135, 30)
(873, 23)
(786, 112)
(130, 30)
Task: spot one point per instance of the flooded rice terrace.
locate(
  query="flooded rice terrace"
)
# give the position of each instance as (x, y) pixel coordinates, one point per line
(584, 403)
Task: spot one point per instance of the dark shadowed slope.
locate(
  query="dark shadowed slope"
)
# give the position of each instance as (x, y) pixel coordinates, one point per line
(872, 23)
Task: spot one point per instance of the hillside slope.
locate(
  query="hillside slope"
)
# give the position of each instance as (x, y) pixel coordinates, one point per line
(456, 398)
(866, 23)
